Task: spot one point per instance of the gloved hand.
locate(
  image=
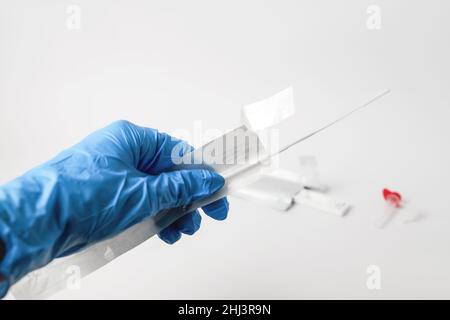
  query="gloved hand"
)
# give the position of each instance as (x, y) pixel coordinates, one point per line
(110, 181)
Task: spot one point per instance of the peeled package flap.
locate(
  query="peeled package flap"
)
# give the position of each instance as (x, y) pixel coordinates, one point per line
(269, 112)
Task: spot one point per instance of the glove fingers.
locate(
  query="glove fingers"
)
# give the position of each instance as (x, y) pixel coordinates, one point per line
(146, 149)
(159, 151)
(170, 235)
(190, 223)
(218, 209)
(182, 187)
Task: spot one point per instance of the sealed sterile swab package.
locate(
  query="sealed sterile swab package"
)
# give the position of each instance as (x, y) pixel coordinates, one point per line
(235, 155)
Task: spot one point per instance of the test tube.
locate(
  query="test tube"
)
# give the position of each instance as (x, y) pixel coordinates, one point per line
(309, 175)
(393, 202)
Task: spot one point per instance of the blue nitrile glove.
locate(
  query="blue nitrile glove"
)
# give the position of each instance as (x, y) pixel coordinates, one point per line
(110, 181)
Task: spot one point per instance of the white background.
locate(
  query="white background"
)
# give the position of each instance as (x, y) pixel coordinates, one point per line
(167, 64)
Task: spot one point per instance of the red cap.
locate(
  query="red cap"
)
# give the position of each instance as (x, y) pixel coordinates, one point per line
(392, 196)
